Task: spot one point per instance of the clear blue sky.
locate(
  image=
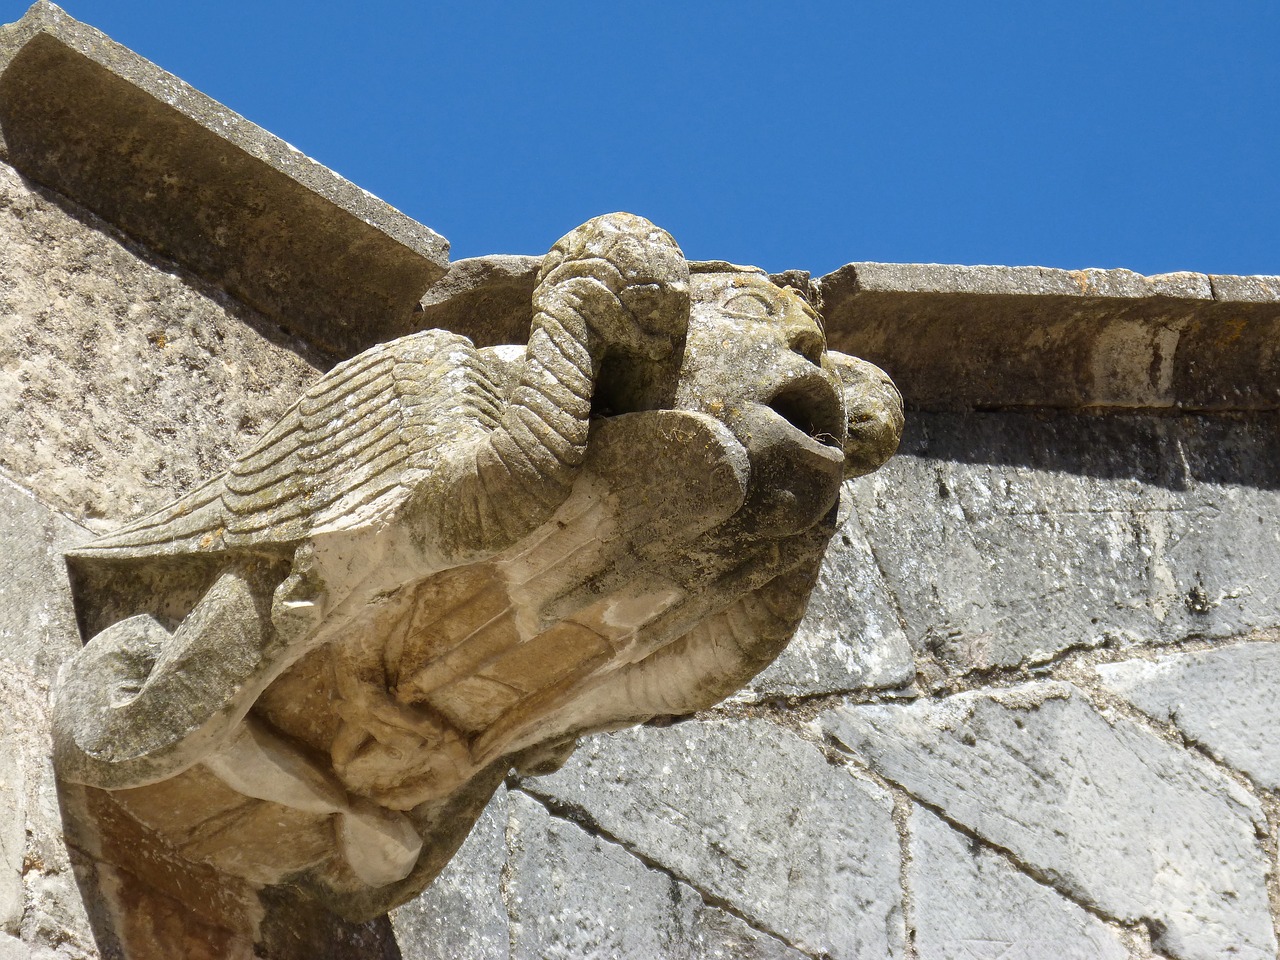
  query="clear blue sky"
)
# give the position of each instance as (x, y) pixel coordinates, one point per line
(801, 134)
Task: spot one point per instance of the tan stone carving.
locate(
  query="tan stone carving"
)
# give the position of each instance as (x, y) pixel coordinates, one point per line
(446, 562)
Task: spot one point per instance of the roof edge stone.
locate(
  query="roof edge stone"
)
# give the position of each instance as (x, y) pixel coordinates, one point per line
(200, 184)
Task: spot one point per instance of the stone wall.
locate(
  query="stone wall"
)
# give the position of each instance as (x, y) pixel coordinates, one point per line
(1032, 712)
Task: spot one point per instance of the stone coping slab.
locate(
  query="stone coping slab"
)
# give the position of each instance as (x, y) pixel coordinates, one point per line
(202, 186)
(991, 338)
(985, 337)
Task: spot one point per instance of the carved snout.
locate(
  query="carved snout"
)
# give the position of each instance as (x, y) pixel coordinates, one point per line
(874, 409)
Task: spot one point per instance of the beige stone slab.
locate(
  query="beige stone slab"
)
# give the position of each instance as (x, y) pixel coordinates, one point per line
(123, 380)
(202, 185)
(977, 337)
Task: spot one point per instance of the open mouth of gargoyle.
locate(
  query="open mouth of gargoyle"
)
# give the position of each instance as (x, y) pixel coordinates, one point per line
(811, 406)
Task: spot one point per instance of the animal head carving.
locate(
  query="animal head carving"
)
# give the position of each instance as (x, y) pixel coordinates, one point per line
(445, 562)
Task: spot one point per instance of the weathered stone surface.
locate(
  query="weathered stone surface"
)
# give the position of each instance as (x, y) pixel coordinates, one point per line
(444, 562)
(462, 913)
(11, 948)
(13, 831)
(1101, 809)
(43, 907)
(752, 815)
(200, 184)
(1227, 700)
(968, 901)
(489, 299)
(958, 337)
(37, 623)
(122, 382)
(850, 638)
(576, 895)
(1008, 538)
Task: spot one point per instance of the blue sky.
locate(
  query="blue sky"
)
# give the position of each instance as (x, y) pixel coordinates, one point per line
(802, 134)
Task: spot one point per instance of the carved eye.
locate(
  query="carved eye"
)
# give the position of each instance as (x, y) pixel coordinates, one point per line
(748, 304)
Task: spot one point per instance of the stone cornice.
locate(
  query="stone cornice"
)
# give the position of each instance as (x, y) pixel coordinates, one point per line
(204, 187)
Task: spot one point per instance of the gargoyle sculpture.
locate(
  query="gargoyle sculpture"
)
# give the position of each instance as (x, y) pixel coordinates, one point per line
(445, 562)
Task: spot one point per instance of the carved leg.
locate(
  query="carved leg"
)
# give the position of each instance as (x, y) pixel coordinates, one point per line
(694, 672)
(138, 704)
(381, 846)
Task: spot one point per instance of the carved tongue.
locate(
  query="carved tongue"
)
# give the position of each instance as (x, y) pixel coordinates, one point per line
(795, 478)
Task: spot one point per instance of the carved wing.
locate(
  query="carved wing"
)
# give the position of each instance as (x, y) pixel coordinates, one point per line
(343, 452)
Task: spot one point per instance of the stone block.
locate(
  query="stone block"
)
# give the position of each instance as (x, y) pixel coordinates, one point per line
(13, 832)
(37, 622)
(573, 894)
(45, 907)
(850, 638)
(968, 901)
(123, 381)
(1009, 538)
(749, 813)
(977, 337)
(1226, 700)
(1099, 808)
(462, 913)
(489, 299)
(200, 184)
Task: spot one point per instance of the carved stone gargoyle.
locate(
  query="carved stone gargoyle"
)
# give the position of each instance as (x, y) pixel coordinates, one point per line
(445, 562)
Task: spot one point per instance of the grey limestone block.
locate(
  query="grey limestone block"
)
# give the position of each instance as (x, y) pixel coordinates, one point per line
(749, 813)
(573, 894)
(968, 901)
(1226, 699)
(37, 623)
(1009, 538)
(462, 913)
(850, 638)
(13, 834)
(111, 360)
(43, 907)
(1098, 807)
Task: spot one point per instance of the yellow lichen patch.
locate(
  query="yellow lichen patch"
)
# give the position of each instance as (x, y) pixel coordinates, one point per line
(209, 540)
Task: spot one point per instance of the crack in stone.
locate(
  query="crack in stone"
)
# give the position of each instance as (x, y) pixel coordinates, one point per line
(902, 822)
(582, 819)
(1042, 877)
(505, 876)
(1103, 698)
(1069, 663)
(1084, 654)
(1271, 809)
(793, 710)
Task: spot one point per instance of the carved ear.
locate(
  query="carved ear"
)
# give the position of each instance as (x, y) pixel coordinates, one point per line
(873, 406)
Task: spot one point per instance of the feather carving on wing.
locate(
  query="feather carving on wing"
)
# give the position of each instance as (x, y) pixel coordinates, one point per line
(342, 453)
